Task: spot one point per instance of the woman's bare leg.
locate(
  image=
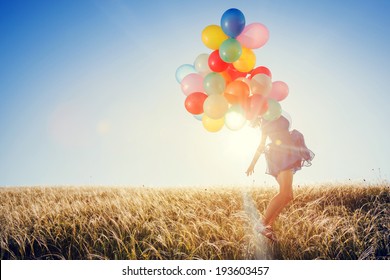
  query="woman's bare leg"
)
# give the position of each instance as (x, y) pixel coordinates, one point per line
(279, 201)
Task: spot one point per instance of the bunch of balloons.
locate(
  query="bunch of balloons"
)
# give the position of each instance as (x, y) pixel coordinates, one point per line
(224, 88)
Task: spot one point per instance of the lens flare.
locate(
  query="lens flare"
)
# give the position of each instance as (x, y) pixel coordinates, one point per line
(235, 118)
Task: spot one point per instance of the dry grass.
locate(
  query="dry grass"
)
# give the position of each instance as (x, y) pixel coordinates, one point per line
(324, 222)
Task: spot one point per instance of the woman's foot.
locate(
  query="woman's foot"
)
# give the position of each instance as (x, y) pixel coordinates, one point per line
(268, 232)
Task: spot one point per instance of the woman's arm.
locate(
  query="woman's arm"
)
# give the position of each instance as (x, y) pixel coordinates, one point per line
(259, 151)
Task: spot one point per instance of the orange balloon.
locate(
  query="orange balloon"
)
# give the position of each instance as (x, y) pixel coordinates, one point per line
(237, 92)
(226, 76)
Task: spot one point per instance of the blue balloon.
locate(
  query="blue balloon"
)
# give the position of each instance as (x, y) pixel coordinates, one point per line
(183, 71)
(198, 117)
(233, 22)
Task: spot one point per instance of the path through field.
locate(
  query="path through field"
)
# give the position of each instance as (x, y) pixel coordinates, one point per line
(261, 245)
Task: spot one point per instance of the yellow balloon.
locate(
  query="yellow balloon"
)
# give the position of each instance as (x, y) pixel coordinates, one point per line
(212, 125)
(246, 62)
(213, 36)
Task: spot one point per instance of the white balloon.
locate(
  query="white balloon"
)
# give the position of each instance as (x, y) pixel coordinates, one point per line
(215, 106)
(261, 84)
(202, 64)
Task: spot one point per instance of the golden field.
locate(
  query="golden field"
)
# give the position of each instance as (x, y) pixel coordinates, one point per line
(323, 222)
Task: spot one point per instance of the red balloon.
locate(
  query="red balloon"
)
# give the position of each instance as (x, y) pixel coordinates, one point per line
(255, 106)
(194, 102)
(260, 70)
(234, 73)
(216, 64)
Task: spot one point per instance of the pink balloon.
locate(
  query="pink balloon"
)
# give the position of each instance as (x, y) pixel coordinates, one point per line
(279, 91)
(254, 36)
(192, 83)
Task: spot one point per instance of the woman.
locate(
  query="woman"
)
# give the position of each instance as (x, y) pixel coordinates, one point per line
(286, 154)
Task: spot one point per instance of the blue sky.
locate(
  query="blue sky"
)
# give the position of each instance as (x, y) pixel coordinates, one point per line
(88, 93)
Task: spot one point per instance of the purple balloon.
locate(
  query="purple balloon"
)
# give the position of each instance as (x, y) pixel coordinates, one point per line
(254, 36)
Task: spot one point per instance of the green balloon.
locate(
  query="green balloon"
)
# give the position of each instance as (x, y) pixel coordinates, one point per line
(214, 83)
(274, 110)
(230, 50)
